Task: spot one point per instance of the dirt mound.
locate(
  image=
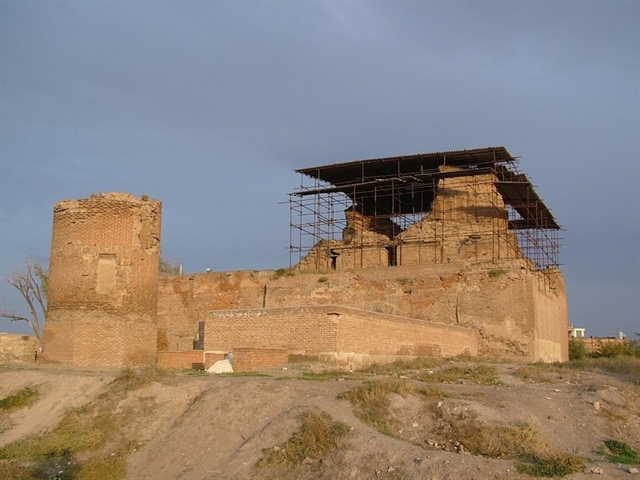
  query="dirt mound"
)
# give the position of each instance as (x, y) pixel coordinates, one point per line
(218, 427)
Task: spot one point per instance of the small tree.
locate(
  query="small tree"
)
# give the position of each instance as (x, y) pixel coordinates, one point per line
(32, 285)
(167, 266)
(577, 349)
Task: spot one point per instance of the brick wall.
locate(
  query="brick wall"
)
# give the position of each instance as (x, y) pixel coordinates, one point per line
(252, 359)
(212, 357)
(179, 360)
(99, 339)
(293, 329)
(332, 332)
(517, 312)
(17, 348)
(362, 332)
(185, 300)
(103, 281)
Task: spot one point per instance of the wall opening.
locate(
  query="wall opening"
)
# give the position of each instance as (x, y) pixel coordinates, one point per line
(392, 252)
(334, 259)
(106, 274)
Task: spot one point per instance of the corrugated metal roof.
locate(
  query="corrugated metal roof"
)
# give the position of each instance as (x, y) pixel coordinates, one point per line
(360, 170)
(396, 181)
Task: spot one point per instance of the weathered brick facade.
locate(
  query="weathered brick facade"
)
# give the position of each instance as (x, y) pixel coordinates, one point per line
(109, 306)
(17, 348)
(103, 281)
(336, 334)
(467, 221)
(515, 312)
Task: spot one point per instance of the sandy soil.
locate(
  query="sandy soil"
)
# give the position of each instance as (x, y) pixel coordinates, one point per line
(212, 427)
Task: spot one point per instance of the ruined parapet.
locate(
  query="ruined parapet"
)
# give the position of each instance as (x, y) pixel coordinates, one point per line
(365, 230)
(364, 243)
(439, 207)
(103, 281)
(468, 220)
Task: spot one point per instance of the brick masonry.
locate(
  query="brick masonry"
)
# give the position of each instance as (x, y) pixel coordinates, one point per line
(179, 360)
(467, 221)
(340, 334)
(103, 281)
(17, 348)
(109, 306)
(252, 359)
(516, 312)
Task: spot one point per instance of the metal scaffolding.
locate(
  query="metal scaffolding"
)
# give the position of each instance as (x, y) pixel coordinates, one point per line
(392, 194)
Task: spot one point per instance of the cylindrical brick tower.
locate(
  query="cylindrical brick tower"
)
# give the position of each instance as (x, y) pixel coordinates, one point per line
(103, 281)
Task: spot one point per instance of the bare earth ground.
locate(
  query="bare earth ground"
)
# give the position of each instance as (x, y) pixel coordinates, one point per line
(216, 427)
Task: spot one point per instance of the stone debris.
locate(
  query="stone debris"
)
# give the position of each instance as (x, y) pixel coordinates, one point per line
(221, 366)
(596, 470)
(633, 470)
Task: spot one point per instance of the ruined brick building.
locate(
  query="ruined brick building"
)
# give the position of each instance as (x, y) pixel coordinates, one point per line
(431, 254)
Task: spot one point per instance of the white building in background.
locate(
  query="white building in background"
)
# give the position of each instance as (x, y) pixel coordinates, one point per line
(575, 332)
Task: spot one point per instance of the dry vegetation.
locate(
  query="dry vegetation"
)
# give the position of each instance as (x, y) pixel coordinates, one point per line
(437, 407)
(75, 448)
(318, 437)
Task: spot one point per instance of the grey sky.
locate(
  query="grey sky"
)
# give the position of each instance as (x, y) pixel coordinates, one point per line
(209, 106)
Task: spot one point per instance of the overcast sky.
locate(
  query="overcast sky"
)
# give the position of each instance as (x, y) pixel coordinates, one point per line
(209, 106)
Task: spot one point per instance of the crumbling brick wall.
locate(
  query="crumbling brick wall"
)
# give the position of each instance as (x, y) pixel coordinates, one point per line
(108, 307)
(466, 221)
(103, 281)
(517, 312)
(17, 348)
(185, 300)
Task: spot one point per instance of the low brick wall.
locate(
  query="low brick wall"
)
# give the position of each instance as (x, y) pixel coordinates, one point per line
(178, 360)
(346, 335)
(252, 359)
(212, 357)
(297, 329)
(17, 348)
(359, 332)
(189, 359)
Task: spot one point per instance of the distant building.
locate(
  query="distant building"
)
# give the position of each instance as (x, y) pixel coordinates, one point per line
(575, 332)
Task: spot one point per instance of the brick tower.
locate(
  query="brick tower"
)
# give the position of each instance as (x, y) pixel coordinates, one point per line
(103, 281)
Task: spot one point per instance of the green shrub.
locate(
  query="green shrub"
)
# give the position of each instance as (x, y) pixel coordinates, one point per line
(23, 398)
(619, 452)
(283, 272)
(401, 365)
(625, 365)
(553, 465)
(630, 348)
(497, 272)
(371, 401)
(577, 349)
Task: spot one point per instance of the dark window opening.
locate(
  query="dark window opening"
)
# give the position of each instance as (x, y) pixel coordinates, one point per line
(393, 255)
(334, 257)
